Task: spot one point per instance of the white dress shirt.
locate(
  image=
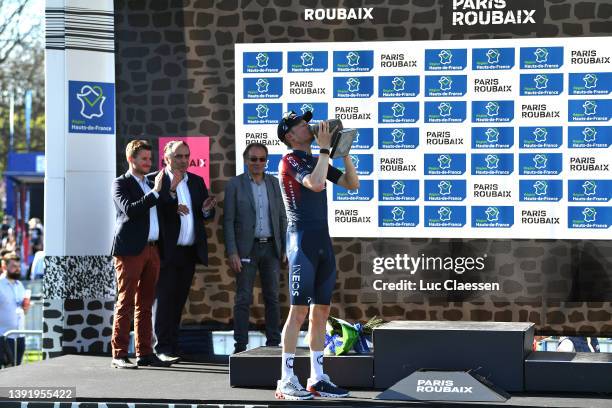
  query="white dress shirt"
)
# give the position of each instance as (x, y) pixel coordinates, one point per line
(187, 233)
(153, 222)
(11, 299)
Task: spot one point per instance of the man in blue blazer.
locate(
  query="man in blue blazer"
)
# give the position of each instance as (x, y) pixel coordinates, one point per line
(138, 231)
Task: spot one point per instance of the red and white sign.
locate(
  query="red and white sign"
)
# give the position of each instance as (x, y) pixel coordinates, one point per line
(199, 159)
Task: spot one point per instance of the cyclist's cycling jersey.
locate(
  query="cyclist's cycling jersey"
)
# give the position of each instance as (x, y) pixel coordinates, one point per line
(306, 209)
(312, 264)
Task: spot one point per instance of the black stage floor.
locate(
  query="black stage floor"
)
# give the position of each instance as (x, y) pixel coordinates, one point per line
(207, 383)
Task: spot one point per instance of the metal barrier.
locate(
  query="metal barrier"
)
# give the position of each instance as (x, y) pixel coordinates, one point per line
(17, 333)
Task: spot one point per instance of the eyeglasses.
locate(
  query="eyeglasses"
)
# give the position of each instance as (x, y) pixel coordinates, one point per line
(256, 159)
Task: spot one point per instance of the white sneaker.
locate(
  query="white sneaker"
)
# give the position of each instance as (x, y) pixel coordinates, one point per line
(324, 388)
(291, 389)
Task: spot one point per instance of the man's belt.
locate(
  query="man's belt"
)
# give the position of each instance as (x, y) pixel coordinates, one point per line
(263, 240)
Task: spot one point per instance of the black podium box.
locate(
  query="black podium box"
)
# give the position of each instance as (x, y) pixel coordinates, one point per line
(571, 372)
(493, 350)
(261, 367)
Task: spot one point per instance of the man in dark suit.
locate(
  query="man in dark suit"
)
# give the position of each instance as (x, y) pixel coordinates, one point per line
(183, 246)
(136, 254)
(254, 225)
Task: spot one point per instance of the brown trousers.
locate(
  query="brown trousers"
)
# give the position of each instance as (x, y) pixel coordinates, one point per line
(136, 281)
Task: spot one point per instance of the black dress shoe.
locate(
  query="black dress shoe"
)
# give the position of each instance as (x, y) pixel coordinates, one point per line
(168, 358)
(151, 361)
(122, 362)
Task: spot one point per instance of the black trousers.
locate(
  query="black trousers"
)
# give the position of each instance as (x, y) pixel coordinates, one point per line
(175, 277)
(263, 258)
(9, 352)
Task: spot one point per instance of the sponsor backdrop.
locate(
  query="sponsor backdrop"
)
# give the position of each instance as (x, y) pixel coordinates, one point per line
(176, 69)
(480, 138)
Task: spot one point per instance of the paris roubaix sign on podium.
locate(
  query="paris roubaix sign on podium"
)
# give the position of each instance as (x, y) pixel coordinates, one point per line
(456, 139)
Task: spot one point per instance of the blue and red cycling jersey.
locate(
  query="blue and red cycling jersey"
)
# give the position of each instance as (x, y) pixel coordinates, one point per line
(312, 264)
(306, 209)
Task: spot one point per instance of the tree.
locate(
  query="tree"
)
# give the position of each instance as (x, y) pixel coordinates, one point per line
(12, 35)
(21, 69)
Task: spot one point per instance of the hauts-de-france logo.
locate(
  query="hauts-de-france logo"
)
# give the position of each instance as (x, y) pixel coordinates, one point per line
(492, 58)
(445, 112)
(307, 61)
(91, 107)
(263, 88)
(583, 137)
(446, 83)
(398, 138)
(492, 135)
(492, 164)
(398, 216)
(591, 83)
(541, 57)
(541, 81)
(445, 190)
(398, 86)
(492, 216)
(445, 164)
(92, 101)
(353, 61)
(353, 87)
(541, 190)
(595, 110)
(541, 84)
(262, 113)
(492, 111)
(365, 192)
(445, 186)
(445, 59)
(590, 190)
(540, 134)
(262, 62)
(540, 163)
(540, 137)
(445, 216)
(398, 109)
(590, 217)
(398, 190)
(398, 112)
(444, 109)
(590, 108)
(590, 134)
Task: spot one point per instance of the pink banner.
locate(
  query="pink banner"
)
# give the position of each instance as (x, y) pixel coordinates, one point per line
(199, 147)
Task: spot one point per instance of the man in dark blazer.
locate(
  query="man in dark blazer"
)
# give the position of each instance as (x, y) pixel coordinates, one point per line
(254, 226)
(183, 246)
(138, 230)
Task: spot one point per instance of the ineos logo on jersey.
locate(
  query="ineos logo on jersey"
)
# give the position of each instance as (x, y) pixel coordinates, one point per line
(339, 14)
(295, 279)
